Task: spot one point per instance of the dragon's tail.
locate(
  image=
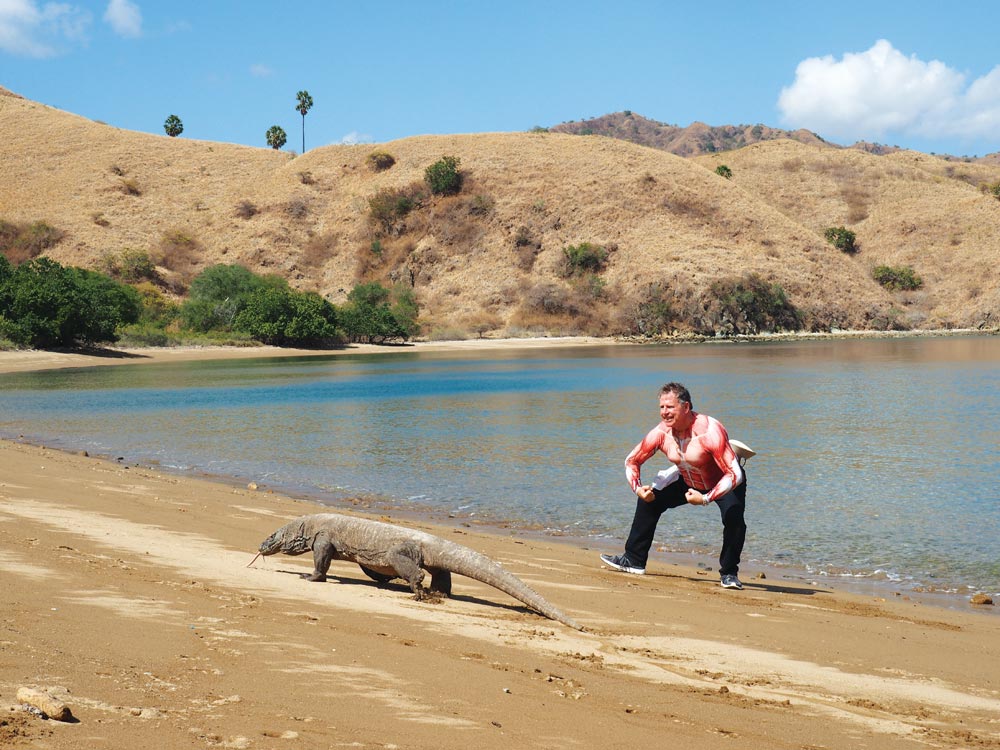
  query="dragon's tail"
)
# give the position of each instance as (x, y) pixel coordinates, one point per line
(467, 562)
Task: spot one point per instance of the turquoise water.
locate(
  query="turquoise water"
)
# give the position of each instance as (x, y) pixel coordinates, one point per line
(877, 459)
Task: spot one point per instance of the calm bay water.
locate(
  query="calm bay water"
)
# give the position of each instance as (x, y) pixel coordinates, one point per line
(877, 459)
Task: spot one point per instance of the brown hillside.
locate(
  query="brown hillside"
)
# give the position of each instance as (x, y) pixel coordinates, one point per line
(693, 140)
(490, 259)
(906, 208)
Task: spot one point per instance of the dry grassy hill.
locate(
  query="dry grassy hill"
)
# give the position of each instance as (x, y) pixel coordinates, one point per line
(693, 140)
(490, 259)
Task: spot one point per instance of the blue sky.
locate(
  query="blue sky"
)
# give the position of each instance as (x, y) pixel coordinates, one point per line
(922, 75)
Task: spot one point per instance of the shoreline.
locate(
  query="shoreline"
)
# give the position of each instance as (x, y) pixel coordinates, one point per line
(28, 360)
(205, 650)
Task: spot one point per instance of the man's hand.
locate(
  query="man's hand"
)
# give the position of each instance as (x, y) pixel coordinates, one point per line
(695, 498)
(645, 493)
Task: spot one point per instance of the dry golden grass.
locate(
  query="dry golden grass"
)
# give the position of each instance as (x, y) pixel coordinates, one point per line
(474, 258)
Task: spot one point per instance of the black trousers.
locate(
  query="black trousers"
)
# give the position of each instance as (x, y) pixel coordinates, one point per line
(647, 515)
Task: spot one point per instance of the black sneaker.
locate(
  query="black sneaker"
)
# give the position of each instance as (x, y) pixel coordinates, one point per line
(731, 582)
(622, 563)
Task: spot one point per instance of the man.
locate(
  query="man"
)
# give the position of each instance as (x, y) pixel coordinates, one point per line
(708, 471)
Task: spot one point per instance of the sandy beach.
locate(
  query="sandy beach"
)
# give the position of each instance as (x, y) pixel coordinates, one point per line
(127, 595)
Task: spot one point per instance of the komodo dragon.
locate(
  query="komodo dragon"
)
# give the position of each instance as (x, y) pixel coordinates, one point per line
(385, 552)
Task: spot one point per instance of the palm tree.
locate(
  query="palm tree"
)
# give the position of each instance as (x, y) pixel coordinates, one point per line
(173, 126)
(304, 104)
(276, 137)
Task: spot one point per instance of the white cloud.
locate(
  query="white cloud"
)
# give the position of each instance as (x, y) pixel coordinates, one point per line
(872, 94)
(124, 17)
(261, 71)
(32, 30)
(354, 138)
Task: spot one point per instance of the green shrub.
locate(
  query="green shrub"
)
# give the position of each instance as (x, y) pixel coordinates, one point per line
(584, 258)
(221, 282)
(217, 295)
(283, 317)
(723, 171)
(751, 305)
(443, 176)
(376, 315)
(899, 278)
(44, 305)
(157, 309)
(179, 251)
(841, 238)
(379, 161)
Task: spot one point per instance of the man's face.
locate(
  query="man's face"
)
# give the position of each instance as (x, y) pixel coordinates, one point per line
(673, 411)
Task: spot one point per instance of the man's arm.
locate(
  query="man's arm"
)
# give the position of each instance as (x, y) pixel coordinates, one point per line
(716, 441)
(642, 453)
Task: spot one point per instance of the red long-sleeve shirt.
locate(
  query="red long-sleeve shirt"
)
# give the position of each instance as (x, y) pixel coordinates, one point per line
(706, 461)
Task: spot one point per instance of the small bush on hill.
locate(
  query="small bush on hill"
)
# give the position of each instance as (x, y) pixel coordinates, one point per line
(841, 238)
(723, 171)
(129, 265)
(443, 176)
(379, 161)
(390, 205)
(751, 305)
(481, 205)
(179, 251)
(246, 210)
(20, 242)
(584, 258)
(130, 187)
(296, 208)
(526, 247)
(653, 314)
(899, 278)
(550, 299)
(991, 188)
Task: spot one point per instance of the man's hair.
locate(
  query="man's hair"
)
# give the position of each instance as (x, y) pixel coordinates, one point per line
(678, 390)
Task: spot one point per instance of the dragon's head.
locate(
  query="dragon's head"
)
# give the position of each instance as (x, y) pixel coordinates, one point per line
(290, 539)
